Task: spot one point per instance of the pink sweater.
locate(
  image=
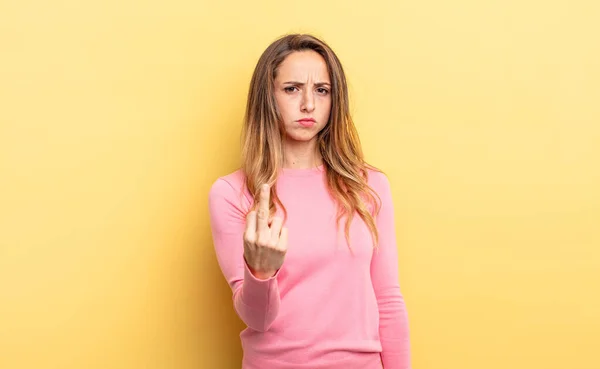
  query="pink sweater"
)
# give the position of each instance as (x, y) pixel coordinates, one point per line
(326, 308)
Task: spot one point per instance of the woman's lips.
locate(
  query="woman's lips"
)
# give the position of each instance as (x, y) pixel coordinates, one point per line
(306, 122)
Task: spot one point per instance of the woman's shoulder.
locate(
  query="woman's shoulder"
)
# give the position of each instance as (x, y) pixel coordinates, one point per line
(235, 179)
(231, 187)
(377, 179)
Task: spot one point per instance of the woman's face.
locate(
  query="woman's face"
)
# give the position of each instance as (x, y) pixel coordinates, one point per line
(303, 94)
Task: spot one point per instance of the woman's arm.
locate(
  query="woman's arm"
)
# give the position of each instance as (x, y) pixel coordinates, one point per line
(256, 301)
(393, 318)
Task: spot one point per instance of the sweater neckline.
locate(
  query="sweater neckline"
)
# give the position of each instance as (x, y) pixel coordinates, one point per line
(304, 172)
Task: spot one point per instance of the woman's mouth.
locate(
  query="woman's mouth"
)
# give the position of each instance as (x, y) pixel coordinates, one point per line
(306, 122)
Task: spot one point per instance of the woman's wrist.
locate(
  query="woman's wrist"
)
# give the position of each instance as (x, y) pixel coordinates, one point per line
(262, 275)
(259, 274)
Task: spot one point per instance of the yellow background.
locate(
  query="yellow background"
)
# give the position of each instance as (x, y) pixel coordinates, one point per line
(117, 116)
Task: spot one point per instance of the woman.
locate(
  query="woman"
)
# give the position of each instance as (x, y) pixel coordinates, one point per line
(310, 298)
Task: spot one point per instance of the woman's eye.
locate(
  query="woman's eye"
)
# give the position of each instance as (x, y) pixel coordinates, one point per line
(323, 91)
(290, 89)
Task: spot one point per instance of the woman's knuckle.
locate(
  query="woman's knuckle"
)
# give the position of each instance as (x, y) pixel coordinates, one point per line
(261, 242)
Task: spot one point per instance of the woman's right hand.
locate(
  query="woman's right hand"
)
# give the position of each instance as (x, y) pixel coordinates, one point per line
(264, 246)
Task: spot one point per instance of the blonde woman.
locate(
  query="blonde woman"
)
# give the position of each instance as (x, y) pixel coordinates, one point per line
(304, 230)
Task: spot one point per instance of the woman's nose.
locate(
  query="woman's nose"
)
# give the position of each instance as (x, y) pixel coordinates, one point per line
(308, 101)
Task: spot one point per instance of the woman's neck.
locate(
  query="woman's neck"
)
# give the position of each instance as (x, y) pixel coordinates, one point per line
(301, 155)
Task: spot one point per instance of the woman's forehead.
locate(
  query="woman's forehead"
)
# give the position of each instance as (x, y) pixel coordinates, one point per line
(303, 65)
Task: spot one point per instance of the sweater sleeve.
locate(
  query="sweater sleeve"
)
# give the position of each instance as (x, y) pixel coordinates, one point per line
(393, 317)
(255, 301)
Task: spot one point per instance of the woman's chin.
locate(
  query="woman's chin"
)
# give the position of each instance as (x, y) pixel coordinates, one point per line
(301, 138)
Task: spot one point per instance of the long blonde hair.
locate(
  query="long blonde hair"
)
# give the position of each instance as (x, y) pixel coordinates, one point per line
(338, 141)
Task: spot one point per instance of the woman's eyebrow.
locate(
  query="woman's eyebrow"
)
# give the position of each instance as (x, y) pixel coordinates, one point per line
(302, 83)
